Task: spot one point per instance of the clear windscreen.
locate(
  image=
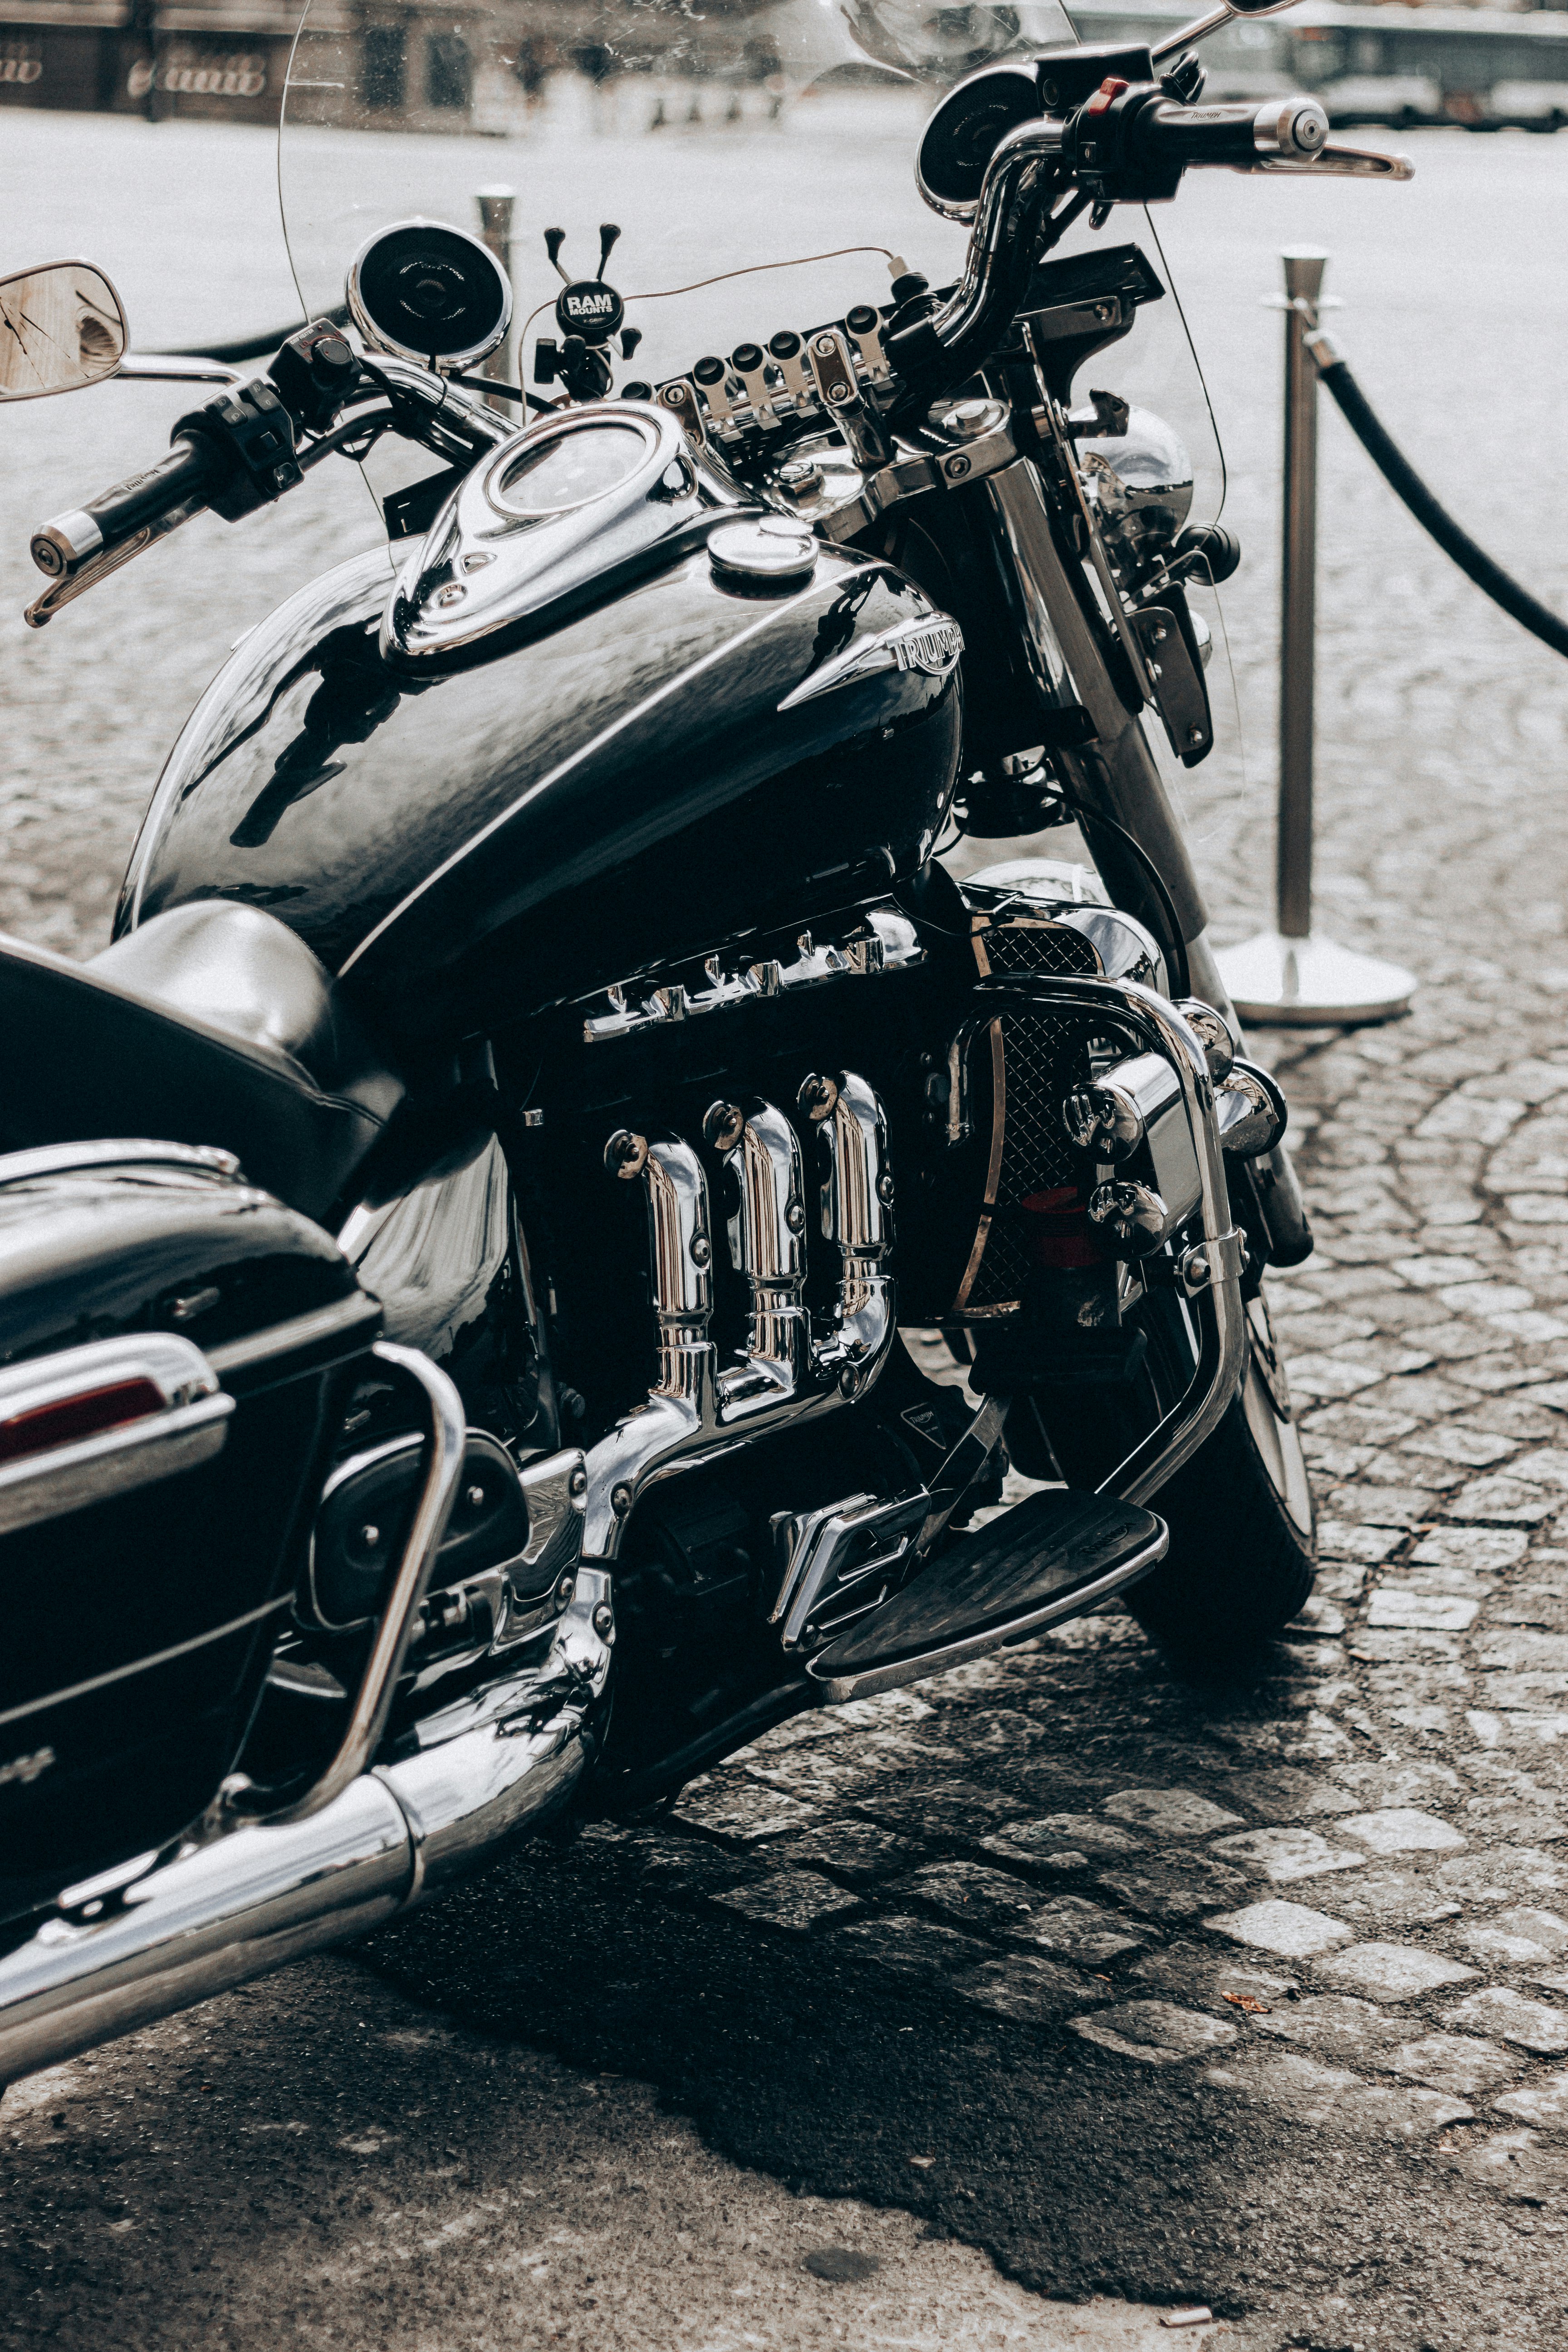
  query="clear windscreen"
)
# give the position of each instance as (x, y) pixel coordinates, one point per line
(733, 141)
(758, 155)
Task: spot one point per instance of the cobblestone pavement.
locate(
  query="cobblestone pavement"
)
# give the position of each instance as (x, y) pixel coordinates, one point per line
(1252, 1994)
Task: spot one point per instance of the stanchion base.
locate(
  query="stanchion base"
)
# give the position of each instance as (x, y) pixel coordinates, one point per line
(1311, 983)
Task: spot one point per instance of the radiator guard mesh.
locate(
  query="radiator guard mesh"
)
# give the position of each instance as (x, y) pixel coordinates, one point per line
(1036, 1060)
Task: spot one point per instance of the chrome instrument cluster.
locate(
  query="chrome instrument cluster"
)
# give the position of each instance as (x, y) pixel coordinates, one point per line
(579, 494)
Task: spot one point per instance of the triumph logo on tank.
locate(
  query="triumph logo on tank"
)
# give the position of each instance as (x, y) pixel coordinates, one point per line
(931, 645)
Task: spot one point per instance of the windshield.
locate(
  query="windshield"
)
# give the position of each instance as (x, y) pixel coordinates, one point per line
(758, 159)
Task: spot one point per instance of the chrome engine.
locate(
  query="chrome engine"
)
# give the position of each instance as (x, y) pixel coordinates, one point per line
(1040, 1124)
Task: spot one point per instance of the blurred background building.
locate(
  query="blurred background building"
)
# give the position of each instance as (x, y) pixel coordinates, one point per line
(414, 65)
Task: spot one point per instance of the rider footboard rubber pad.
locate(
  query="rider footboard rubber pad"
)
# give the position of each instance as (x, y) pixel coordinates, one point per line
(1050, 1556)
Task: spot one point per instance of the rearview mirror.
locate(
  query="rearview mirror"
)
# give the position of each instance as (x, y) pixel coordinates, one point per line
(61, 326)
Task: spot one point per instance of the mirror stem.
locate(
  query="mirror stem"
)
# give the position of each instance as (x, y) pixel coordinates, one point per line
(1175, 43)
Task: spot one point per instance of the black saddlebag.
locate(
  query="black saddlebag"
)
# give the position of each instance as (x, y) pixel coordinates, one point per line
(177, 1351)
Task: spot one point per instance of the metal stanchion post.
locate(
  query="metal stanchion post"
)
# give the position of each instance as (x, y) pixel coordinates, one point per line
(495, 226)
(1293, 974)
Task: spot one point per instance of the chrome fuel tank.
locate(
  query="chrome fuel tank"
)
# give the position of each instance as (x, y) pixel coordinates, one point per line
(678, 764)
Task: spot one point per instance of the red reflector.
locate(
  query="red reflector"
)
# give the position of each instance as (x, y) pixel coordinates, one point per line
(69, 1419)
(1062, 1235)
(1058, 1201)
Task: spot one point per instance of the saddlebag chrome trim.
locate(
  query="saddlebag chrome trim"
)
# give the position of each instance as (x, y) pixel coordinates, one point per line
(341, 1318)
(186, 1429)
(136, 1151)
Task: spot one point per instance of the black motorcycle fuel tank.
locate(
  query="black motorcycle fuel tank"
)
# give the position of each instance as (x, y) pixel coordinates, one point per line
(619, 791)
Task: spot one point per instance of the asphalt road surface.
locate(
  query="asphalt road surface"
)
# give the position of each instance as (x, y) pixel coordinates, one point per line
(1070, 1989)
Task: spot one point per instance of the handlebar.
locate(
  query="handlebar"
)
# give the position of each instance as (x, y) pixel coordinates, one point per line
(1129, 143)
(89, 533)
(1295, 129)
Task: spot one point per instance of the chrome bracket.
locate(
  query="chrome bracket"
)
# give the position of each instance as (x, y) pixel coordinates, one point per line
(823, 1556)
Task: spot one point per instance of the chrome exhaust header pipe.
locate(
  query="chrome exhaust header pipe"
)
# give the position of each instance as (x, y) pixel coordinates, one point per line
(787, 1372)
(112, 1959)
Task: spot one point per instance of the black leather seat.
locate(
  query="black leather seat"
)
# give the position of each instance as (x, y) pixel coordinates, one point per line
(212, 1023)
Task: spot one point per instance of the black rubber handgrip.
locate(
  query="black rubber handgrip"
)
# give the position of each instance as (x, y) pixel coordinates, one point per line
(185, 473)
(63, 545)
(1168, 133)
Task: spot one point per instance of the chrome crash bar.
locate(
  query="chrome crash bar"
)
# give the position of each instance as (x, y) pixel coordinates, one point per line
(1210, 1272)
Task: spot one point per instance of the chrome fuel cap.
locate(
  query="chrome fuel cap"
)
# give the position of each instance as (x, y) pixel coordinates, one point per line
(770, 552)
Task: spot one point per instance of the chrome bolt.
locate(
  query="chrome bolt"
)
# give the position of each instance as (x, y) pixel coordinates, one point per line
(1195, 736)
(563, 1592)
(474, 1498)
(818, 1097)
(579, 1484)
(701, 1249)
(971, 417)
(533, 1118)
(956, 468)
(723, 1125)
(604, 1621)
(795, 1217)
(369, 1538)
(826, 348)
(885, 1189)
(626, 1154)
(620, 1500)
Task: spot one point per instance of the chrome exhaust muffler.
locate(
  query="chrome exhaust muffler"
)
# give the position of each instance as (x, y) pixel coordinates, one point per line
(112, 1958)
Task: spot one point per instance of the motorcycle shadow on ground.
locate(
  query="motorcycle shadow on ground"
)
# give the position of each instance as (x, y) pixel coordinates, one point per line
(874, 2072)
(844, 2065)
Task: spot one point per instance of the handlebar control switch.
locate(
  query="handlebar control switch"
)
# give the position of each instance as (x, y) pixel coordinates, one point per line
(249, 434)
(314, 374)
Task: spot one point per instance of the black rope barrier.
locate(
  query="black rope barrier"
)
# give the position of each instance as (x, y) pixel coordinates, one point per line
(1433, 517)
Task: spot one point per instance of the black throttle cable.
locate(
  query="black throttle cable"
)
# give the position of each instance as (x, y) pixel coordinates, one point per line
(1406, 484)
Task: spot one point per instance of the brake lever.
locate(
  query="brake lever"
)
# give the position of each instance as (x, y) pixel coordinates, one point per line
(41, 612)
(1334, 163)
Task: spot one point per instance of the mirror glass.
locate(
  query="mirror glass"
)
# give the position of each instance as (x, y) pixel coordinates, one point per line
(1258, 7)
(61, 326)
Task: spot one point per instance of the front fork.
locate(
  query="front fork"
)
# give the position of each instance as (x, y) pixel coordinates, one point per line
(1115, 778)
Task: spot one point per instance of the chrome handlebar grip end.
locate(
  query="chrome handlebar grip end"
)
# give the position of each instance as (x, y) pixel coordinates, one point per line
(1295, 129)
(61, 547)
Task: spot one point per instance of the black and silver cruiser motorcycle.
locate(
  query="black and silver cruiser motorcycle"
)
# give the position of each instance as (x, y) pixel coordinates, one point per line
(585, 1110)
